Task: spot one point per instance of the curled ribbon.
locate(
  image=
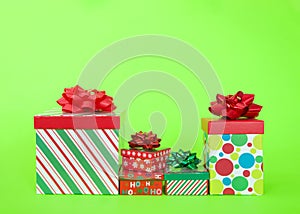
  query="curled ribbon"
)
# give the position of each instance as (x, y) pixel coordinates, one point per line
(183, 159)
(235, 106)
(77, 100)
(145, 140)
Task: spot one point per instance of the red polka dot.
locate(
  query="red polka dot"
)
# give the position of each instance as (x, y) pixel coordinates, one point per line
(249, 144)
(250, 189)
(246, 173)
(228, 191)
(224, 167)
(228, 148)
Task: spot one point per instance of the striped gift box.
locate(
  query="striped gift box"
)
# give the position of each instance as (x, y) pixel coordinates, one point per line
(186, 182)
(77, 154)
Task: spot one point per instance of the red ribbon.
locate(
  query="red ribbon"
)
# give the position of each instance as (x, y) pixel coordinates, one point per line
(77, 100)
(235, 106)
(145, 140)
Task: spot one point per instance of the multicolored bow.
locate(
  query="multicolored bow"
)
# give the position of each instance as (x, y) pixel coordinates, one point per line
(77, 100)
(145, 140)
(235, 106)
(183, 159)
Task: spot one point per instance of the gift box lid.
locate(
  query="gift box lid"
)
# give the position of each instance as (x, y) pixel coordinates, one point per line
(240, 126)
(138, 175)
(59, 120)
(143, 154)
(187, 174)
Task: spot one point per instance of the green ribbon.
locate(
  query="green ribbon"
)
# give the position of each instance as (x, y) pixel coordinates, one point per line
(183, 159)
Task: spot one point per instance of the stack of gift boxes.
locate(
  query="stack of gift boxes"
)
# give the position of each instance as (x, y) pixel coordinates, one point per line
(77, 151)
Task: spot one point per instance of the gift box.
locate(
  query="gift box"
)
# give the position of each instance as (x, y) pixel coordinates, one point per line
(144, 161)
(143, 154)
(233, 145)
(77, 153)
(141, 187)
(140, 183)
(185, 175)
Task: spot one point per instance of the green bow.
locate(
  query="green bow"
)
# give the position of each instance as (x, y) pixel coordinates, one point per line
(183, 159)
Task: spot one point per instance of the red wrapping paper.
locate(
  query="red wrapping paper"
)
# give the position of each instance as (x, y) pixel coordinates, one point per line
(138, 175)
(152, 187)
(144, 161)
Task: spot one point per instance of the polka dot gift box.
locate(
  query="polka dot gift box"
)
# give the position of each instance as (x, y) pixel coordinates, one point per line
(233, 146)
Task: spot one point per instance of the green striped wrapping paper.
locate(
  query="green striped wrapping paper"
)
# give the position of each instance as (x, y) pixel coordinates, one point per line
(186, 182)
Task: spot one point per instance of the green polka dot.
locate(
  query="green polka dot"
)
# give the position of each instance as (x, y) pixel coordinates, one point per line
(234, 156)
(239, 139)
(213, 159)
(256, 173)
(236, 166)
(259, 187)
(238, 149)
(253, 151)
(214, 142)
(257, 141)
(216, 187)
(259, 159)
(239, 183)
(212, 173)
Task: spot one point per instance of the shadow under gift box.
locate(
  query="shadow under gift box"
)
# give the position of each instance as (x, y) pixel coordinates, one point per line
(77, 153)
(144, 161)
(187, 182)
(234, 155)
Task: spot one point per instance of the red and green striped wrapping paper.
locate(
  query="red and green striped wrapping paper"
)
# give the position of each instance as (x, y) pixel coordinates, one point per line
(77, 156)
(187, 182)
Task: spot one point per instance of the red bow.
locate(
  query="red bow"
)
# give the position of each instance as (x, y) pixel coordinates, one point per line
(77, 100)
(235, 106)
(145, 140)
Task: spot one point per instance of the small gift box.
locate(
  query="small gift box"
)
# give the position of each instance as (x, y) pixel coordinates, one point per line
(184, 177)
(234, 146)
(140, 183)
(77, 149)
(141, 187)
(148, 159)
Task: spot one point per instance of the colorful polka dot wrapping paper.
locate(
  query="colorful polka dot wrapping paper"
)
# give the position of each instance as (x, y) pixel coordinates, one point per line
(235, 162)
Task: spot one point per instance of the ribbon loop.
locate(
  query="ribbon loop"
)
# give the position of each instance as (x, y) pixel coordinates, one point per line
(183, 159)
(145, 140)
(78, 100)
(235, 106)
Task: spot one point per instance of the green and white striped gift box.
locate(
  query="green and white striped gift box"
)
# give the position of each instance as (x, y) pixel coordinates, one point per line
(187, 182)
(77, 154)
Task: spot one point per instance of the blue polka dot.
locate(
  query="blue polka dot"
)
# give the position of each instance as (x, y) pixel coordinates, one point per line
(246, 160)
(226, 181)
(221, 154)
(226, 137)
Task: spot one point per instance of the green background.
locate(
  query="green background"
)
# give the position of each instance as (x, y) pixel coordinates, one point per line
(253, 46)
